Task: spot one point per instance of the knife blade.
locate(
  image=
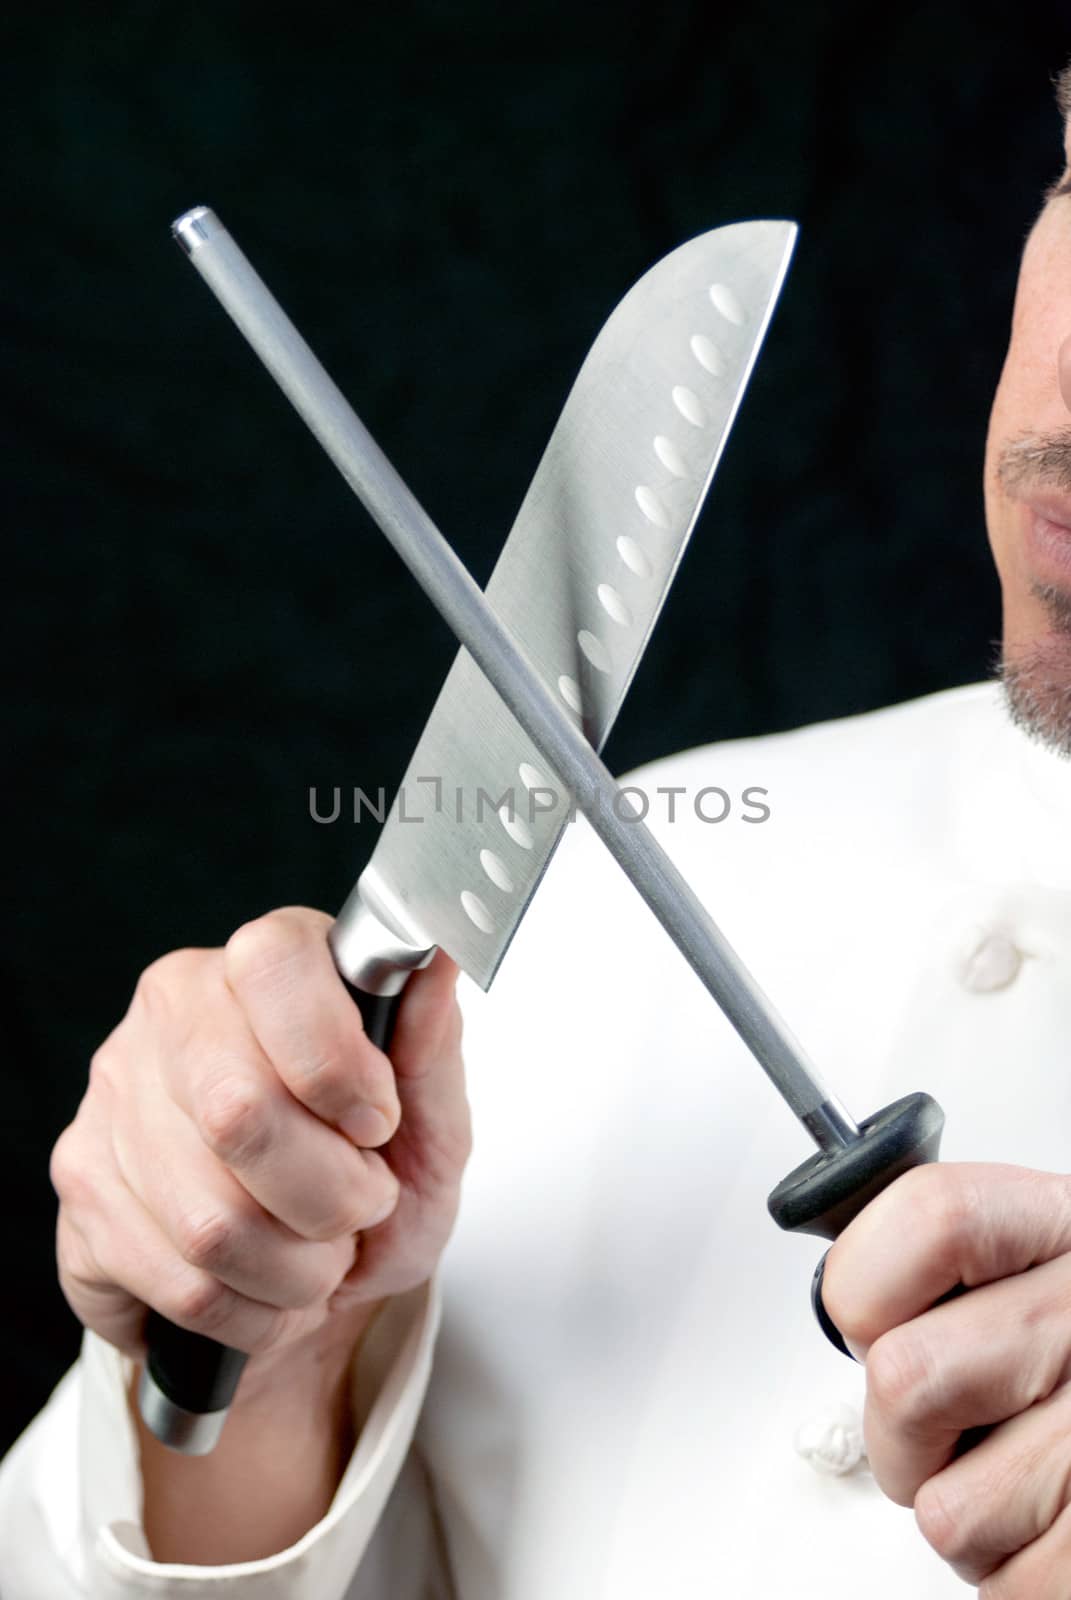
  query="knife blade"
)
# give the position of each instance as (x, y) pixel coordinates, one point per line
(596, 543)
(580, 584)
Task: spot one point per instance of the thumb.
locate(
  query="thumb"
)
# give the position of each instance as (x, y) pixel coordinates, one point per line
(434, 1135)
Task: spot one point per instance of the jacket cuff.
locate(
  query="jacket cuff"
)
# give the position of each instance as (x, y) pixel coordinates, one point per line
(387, 1390)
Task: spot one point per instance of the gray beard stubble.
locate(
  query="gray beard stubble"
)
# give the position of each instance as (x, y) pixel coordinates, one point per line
(1037, 703)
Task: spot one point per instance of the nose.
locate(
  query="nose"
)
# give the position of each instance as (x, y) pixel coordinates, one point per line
(1063, 366)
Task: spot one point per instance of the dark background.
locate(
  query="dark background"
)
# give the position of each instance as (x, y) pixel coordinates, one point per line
(449, 199)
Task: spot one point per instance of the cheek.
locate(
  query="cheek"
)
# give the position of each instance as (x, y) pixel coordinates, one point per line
(1041, 322)
(1034, 391)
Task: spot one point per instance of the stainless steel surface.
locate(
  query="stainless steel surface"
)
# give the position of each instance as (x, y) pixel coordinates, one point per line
(588, 563)
(194, 228)
(192, 1433)
(558, 735)
(373, 948)
(830, 1126)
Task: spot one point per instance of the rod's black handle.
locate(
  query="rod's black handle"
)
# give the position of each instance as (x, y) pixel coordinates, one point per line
(189, 1381)
(824, 1194)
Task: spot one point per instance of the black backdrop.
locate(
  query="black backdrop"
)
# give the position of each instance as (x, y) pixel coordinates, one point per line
(449, 198)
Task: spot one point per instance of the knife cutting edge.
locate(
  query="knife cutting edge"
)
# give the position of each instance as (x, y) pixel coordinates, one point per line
(189, 1380)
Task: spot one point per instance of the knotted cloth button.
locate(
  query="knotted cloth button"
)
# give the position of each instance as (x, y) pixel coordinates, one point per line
(991, 962)
(832, 1440)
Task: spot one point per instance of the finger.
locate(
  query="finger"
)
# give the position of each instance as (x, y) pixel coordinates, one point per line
(938, 1226)
(126, 1248)
(977, 1360)
(434, 1135)
(81, 1153)
(1004, 1494)
(280, 970)
(1038, 1572)
(303, 1173)
(107, 1308)
(429, 1150)
(216, 1224)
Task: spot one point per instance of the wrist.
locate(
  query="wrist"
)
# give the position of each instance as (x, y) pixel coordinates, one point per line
(284, 1447)
(304, 1377)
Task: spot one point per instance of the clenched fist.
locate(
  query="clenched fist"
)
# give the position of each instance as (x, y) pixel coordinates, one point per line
(996, 1504)
(246, 1162)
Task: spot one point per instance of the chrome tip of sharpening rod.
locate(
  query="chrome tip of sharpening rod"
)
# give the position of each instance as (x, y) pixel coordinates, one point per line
(195, 228)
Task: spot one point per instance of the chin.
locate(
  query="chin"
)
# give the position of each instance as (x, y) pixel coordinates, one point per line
(1036, 677)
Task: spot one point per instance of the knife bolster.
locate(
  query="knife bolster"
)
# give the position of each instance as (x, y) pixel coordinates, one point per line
(372, 947)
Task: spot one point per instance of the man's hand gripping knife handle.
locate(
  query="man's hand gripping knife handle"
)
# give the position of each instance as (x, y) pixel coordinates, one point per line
(189, 1381)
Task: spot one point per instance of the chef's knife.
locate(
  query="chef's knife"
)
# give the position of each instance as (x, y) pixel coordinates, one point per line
(580, 583)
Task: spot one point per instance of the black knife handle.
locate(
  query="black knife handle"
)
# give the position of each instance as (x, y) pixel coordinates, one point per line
(378, 1012)
(189, 1380)
(824, 1194)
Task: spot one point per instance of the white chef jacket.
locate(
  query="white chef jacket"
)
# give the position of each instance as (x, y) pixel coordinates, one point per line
(627, 1366)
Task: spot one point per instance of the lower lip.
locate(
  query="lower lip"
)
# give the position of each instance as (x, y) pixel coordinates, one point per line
(1050, 546)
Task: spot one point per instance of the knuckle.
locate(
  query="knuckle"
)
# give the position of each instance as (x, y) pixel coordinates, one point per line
(102, 1069)
(206, 1239)
(940, 1196)
(324, 1079)
(365, 1204)
(202, 1300)
(151, 986)
(261, 947)
(346, 1218)
(898, 1377)
(233, 1118)
(163, 978)
(66, 1173)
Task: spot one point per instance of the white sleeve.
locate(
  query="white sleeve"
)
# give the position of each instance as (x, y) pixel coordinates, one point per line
(70, 1491)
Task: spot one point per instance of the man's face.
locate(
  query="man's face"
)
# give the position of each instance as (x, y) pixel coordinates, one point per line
(1028, 474)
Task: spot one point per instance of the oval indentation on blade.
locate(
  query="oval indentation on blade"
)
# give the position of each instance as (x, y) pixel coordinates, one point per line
(690, 406)
(569, 690)
(634, 556)
(613, 605)
(594, 649)
(531, 777)
(518, 831)
(496, 870)
(708, 355)
(651, 506)
(725, 301)
(670, 456)
(476, 911)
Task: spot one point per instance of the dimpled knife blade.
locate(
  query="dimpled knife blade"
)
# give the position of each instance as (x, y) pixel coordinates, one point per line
(582, 579)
